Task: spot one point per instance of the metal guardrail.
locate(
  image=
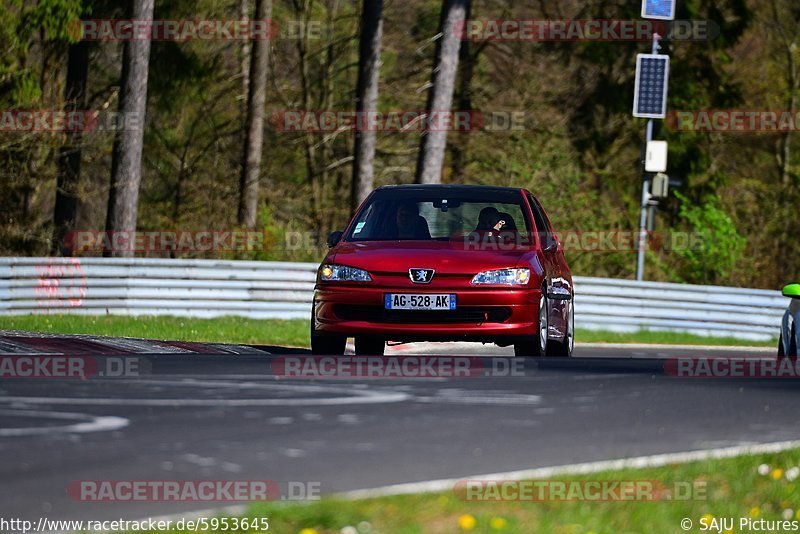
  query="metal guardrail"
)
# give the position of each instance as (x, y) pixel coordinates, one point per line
(268, 290)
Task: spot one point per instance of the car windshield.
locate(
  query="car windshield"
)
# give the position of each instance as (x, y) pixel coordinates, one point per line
(441, 216)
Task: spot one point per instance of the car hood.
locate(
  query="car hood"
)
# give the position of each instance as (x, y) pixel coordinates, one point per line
(445, 257)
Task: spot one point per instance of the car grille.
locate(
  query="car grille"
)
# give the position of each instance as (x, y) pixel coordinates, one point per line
(374, 314)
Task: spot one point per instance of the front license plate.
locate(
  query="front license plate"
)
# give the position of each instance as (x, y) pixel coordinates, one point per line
(420, 302)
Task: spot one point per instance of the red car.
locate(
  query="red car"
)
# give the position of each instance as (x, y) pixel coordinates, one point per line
(445, 263)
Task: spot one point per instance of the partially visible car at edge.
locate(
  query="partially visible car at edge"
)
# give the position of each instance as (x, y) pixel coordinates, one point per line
(787, 343)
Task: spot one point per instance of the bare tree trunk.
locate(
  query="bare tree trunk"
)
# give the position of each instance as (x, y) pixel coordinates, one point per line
(253, 146)
(369, 61)
(69, 158)
(792, 81)
(244, 13)
(126, 162)
(440, 97)
(468, 57)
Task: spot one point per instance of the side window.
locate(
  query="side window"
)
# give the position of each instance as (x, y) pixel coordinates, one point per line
(542, 228)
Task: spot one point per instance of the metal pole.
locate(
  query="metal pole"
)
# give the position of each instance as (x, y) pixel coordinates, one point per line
(645, 191)
(643, 213)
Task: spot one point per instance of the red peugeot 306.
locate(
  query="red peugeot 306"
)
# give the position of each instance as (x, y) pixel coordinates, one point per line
(445, 263)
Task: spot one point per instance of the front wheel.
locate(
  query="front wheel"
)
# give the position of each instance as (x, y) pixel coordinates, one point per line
(535, 346)
(328, 344)
(369, 346)
(324, 344)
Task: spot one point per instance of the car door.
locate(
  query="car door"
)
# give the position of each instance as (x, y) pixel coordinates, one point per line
(557, 276)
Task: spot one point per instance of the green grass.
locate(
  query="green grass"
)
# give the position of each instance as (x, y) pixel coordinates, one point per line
(665, 338)
(224, 329)
(733, 489)
(281, 333)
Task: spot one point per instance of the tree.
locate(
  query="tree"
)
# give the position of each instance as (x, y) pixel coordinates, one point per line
(440, 96)
(369, 60)
(254, 137)
(782, 26)
(126, 163)
(69, 159)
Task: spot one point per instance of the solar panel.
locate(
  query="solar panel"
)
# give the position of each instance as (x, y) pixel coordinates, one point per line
(650, 94)
(658, 9)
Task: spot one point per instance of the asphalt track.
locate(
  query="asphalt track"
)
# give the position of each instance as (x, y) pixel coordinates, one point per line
(219, 412)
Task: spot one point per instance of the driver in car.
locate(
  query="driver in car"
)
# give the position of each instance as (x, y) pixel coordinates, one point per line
(409, 223)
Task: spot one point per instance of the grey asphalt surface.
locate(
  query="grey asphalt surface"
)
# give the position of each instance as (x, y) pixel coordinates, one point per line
(220, 413)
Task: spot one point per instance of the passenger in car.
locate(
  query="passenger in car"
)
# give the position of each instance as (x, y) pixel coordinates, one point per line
(488, 219)
(492, 220)
(509, 224)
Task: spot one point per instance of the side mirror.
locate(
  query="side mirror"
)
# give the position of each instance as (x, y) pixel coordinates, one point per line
(792, 291)
(334, 238)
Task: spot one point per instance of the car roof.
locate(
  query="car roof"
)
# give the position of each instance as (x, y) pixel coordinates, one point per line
(451, 187)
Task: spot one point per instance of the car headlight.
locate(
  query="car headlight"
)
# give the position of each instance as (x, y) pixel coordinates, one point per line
(508, 277)
(340, 273)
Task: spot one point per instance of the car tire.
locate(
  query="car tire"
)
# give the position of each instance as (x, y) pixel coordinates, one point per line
(370, 346)
(328, 344)
(535, 346)
(323, 344)
(781, 352)
(793, 345)
(563, 348)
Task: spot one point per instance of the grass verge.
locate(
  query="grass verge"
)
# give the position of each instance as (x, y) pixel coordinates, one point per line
(282, 333)
(220, 330)
(757, 487)
(666, 338)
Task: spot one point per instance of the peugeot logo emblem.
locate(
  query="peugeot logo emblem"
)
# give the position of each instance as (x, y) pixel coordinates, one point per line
(421, 276)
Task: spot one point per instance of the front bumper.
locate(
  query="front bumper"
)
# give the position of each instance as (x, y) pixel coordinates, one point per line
(481, 315)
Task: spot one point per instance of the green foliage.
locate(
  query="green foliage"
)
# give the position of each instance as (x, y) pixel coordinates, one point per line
(56, 18)
(579, 149)
(718, 244)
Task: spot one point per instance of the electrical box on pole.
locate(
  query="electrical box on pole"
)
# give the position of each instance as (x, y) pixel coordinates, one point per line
(655, 157)
(660, 187)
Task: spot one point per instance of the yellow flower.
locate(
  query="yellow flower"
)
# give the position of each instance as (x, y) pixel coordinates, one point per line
(708, 518)
(777, 474)
(755, 512)
(466, 522)
(498, 523)
(309, 531)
